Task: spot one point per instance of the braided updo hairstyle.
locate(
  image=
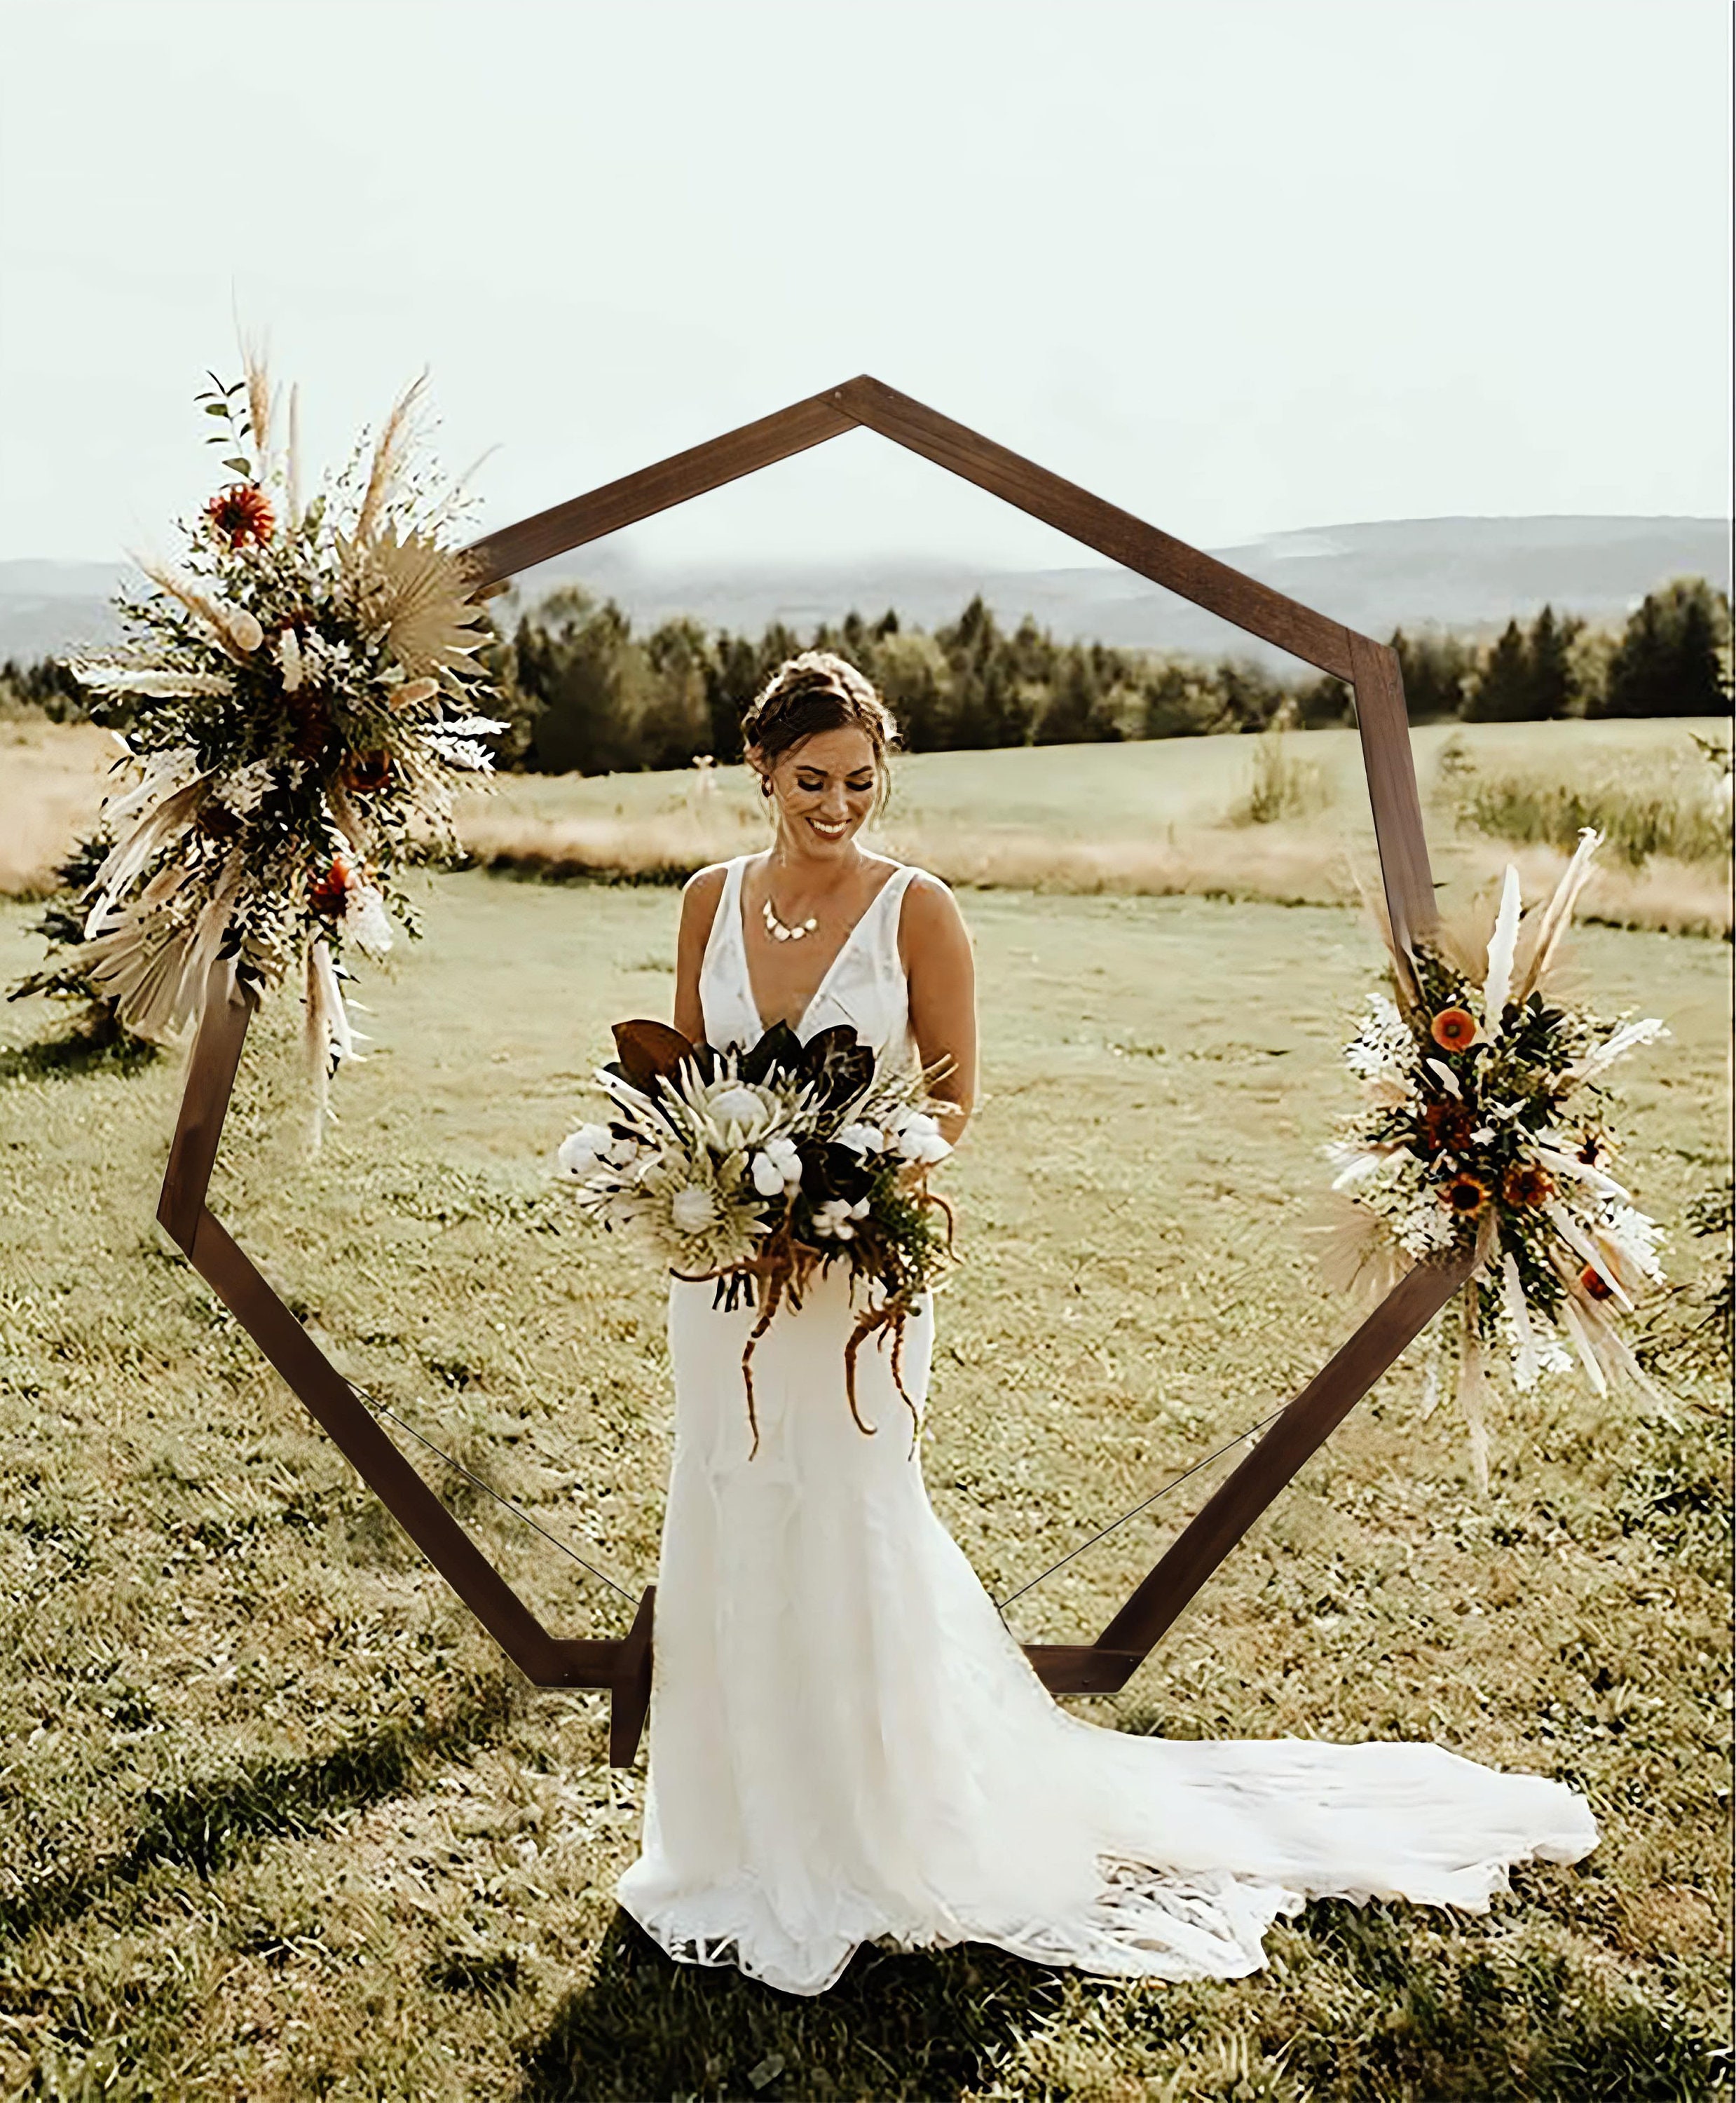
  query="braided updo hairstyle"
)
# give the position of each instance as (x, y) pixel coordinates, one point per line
(813, 691)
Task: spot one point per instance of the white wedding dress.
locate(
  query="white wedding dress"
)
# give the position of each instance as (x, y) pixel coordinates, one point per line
(847, 1741)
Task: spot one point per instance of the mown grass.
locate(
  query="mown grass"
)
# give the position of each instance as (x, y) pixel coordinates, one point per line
(277, 1821)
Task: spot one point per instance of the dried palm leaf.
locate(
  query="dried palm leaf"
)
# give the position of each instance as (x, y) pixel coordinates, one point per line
(420, 593)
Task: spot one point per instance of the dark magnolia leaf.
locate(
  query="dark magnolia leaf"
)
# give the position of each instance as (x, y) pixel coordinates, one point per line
(648, 1049)
(780, 1047)
(839, 1063)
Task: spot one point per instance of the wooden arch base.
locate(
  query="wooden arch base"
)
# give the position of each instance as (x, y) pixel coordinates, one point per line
(623, 1664)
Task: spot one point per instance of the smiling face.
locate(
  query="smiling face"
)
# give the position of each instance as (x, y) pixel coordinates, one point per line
(823, 790)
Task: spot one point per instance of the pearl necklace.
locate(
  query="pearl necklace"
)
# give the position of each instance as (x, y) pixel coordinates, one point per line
(776, 928)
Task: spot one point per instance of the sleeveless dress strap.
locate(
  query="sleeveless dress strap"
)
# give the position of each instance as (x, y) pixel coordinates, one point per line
(889, 906)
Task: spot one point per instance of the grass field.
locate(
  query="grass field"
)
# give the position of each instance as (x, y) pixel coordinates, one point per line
(279, 1821)
(1170, 817)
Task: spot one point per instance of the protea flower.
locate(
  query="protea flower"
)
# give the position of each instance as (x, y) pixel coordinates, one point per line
(1454, 1029)
(241, 514)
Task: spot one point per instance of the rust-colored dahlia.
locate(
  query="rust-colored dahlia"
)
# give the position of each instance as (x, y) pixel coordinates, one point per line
(240, 513)
(1465, 1195)
(1594, 1285)
(1447, 1128)
(312, 724)
(1454, 1029)
(329, 894)
(368, 772)
(1526, 1184)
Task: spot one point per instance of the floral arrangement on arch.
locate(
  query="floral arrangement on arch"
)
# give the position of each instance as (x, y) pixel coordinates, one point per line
(1483, 1128)
(299, 694)
(757, 1168)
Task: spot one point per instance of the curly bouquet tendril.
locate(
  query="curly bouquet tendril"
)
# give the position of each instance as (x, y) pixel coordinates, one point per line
(297, 700)
(757, 1169)
(1482, 1127)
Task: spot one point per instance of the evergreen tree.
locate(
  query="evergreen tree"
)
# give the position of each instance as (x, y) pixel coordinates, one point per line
(1669, 661)
(1434, 668)
(1501, 689)
(1553, 692)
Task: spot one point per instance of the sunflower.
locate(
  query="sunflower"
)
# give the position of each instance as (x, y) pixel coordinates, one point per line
(240, 513)
(1464, 1195)
(1525, 1184)
(1454, 1029)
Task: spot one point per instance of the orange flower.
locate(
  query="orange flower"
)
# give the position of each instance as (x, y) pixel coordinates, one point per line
(1465, 1194)
(1594, 1284)
(328, 894)
(240, 513)
(1526, 1185)
(1454, 1029)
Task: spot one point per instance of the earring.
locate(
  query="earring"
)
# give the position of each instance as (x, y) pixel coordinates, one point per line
(764, 786)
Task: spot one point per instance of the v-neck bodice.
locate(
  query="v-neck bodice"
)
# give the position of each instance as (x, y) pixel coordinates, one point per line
(865, 986)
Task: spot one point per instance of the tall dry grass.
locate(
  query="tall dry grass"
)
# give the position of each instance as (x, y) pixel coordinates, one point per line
(52, 776)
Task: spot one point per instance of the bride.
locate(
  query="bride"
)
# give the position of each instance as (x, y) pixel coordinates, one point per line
(846, 1742)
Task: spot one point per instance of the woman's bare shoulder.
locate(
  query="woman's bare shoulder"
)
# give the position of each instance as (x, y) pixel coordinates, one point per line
(701, 892)
(929, 918)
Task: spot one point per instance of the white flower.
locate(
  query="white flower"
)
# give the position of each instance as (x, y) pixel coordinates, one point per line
(581, 1150)
(919, 1138)
(693, 1210)
(289, 657)
(737, 1113)
(364, 922)
(777, 1166)
(861, 1138)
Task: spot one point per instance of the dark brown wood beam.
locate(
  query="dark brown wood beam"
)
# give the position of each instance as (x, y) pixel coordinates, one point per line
(1076, 512)
(658, 488)
(1384, 724)
(1299, 1433)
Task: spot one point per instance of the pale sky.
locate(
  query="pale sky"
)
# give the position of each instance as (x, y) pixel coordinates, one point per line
(1240, 265)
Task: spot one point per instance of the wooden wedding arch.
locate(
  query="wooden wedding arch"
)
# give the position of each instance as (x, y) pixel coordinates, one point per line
(623, 1664)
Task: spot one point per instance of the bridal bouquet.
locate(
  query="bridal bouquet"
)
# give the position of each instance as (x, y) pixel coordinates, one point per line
(299, 701)
(758, 1167)
(1482, 1127)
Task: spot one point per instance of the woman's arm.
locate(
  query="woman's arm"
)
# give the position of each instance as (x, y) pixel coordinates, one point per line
(935, 945)
(700, 897)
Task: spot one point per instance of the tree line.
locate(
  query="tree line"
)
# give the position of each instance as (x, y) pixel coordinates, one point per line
(583, 692)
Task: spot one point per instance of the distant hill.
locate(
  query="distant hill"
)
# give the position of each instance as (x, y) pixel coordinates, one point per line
(1470, 574)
